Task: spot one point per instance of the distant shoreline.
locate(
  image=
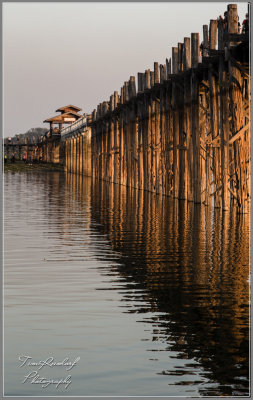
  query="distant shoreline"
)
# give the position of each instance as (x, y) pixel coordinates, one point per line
(20, 166)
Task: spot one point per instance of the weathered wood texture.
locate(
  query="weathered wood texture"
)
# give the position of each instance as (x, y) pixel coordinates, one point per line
(185, 133)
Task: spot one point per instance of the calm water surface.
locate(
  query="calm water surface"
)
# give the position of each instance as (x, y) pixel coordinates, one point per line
(151, 294)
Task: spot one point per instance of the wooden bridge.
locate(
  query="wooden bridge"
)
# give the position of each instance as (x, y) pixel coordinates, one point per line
(185, 132)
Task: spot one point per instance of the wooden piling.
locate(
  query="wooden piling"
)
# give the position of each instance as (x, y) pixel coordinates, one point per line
(185, 131)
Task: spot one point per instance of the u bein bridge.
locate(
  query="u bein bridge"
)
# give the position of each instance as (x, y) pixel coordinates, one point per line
(184, 133)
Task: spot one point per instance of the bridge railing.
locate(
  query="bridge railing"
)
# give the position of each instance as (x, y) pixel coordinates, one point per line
(80, 123)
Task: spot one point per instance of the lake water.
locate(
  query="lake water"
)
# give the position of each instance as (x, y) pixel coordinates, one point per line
(152, 294)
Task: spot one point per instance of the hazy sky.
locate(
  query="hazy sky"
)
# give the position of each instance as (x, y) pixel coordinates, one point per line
(55, 54)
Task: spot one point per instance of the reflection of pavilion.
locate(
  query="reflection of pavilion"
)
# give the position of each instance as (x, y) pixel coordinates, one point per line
(69, 114)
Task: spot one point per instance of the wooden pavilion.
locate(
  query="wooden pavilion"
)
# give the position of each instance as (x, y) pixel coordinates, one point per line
(69, 114)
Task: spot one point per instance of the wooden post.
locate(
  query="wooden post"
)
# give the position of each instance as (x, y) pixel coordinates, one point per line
(232, 18)
(152, 144)
(74, 155)
(175, 111)
(182, 191)
(161, 73)
(194, 50)
(168, 67)
(162, 144)
(224, 133)
(147, 79)
(187, 53)
(81, 154)
(213, 34)
(156, 72)
(174, 60)
(220, 35)
(116, 149)
(195, 119)
(205, 41)
(111, 148)
(180, 56)
(140, 86)
(140, 144)
(152, 78)
(78, 155)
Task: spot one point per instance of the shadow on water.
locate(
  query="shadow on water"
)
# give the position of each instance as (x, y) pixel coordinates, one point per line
(187, 267)
(183, 269)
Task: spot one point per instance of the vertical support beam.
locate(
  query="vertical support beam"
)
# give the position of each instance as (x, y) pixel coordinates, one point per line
(224, 133)
(152, 78)
(148, 143)
(180, 47)
(213, 34)
(205, 41)
(111, 149)
(188, 138)
(174, 60)
(81, 154)
(175, 111)
(187, 53)
(74, 155)
(239, 153)
(78, 155)
(152, 165)
(147, 79)
(116, 149)
(232, 18)
(182, 193)
(156, 72)
(69, 155)
(140, 79)
(194, 50)
(140, 144)
(220, 35)
(162, 164)
(168, 68)
(195, 119)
